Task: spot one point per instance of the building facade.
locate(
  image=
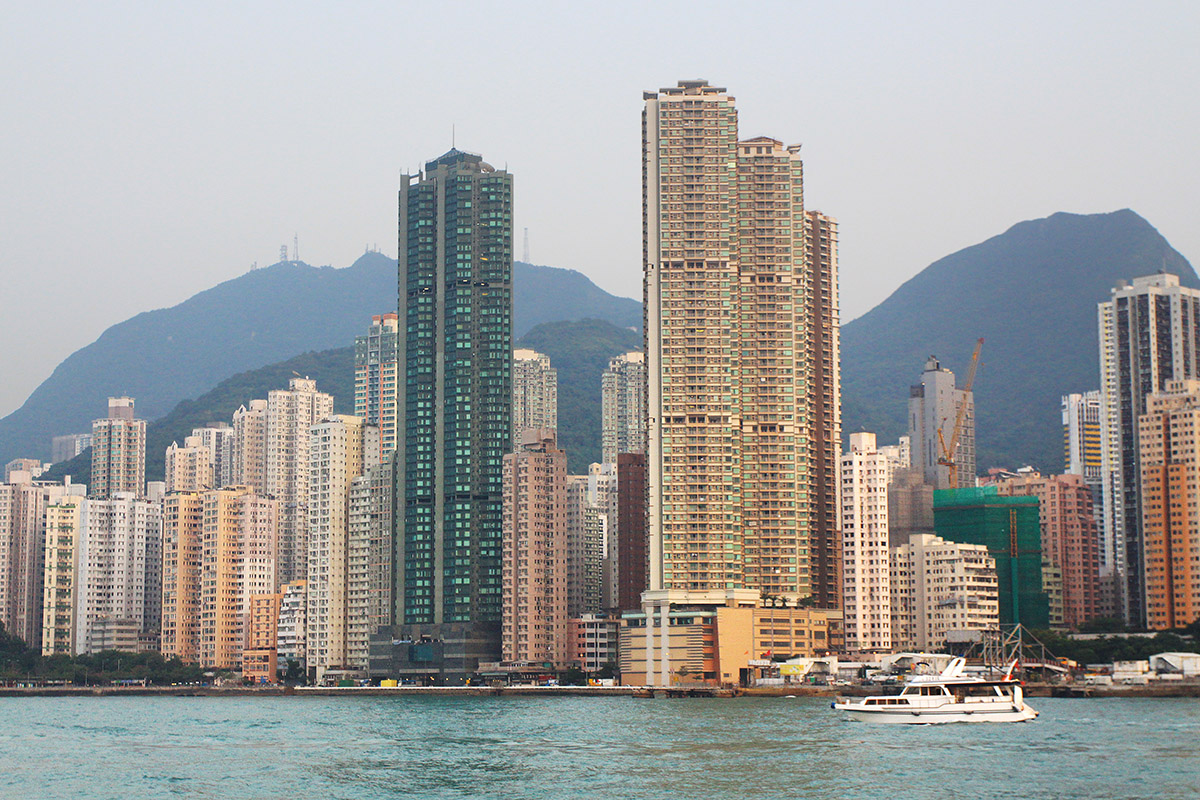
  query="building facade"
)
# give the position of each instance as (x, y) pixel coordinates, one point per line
(190, 468)
(290, 413)
(455, 286)
(1149, 335)
(118, 451)
(376, 369)
(939, 586)
(933, 406)
(536, 566)
(1168, 435)
(250, 446)
(369, 569)
(535, 394)
(867, 592)
(1070, 543)
(623, 406)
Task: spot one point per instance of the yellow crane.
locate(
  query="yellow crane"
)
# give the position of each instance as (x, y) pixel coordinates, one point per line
(946, 459)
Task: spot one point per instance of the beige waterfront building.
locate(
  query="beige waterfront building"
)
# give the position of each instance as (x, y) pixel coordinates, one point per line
(732, 387)
(939, 586)
(290, 414)
(118, 451)
(535, 394)
(376, 365)
(535, 563)
(867, 593)
(623, 406)
(219, 548)
(341, 448)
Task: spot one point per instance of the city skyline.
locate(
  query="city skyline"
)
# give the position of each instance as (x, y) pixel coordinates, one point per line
(1040, 134)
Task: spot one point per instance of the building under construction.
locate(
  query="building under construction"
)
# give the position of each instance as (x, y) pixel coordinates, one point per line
(1009, 527)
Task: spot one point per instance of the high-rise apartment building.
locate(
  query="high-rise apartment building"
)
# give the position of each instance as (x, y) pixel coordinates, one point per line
(455, 282)
(190, 468)
(730, 378)
(536, 564)
(219, 549)
(289, 639)
(118, 451)
(1168, 434)
(120, 574)
(933, 406)
(825, 407)
(341, 449)
(632, 543)
(867, 591)
(1149, 335)
(939, 586)
(250, 446)
(623, 406)
(535, 394)
(218, 437)
(376, 368)
(1081, 436)
(66, 521)
(1069, 542)
(369, 560)
(290, 413)
(587, 529)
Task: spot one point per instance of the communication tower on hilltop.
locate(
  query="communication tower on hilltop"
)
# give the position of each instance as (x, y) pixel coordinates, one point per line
(525, 258)
(295, 247)
(283, 253)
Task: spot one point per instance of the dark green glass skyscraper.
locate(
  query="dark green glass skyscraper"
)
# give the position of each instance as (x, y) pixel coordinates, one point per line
(454, 402)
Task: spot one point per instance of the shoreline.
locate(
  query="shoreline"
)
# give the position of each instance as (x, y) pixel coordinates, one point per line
(1185, 690)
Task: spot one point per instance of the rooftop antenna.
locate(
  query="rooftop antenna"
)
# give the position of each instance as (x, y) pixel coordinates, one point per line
(526, 258)
(452, 137)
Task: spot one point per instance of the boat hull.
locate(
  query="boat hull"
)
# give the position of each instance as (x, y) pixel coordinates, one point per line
(933, 716)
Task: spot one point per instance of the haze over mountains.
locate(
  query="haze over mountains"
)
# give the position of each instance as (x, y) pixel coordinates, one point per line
(262, 317)
(1031, 292)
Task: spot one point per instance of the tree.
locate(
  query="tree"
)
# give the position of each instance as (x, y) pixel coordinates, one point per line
(574, 676)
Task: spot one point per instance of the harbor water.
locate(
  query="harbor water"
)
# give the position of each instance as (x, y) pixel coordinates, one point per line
(581, 747)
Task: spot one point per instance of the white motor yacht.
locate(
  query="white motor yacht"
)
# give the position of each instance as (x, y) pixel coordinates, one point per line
(948, 697)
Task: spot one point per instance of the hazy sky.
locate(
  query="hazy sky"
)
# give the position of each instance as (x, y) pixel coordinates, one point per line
(151, 150)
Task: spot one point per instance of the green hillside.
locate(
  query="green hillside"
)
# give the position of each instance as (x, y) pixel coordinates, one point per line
(1031, 292)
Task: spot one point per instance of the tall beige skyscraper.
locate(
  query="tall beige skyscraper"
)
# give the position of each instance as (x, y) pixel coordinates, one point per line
(341, 449)
(623, 406)
(290, 414)
(730, 380)
(376, 362)
(535, 394)
(118, 451)
(190, 468)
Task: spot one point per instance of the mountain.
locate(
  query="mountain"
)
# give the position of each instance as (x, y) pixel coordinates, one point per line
(1031, 293)
(579, 351)
(263, 317)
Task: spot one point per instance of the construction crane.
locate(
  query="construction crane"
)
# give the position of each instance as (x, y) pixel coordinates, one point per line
(946, 459)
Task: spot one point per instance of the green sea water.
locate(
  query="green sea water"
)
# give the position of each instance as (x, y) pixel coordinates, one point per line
(581, 747)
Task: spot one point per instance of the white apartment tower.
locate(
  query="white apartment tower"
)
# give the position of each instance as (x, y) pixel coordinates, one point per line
(218, 437)
(290, 414)
(933, 405)
(190, 468)
(341, 448)
(1149, 334)
(939, 586)
(535, 394)
(623, 406)
(369, 561)
(866, 582)
(250, 446)
(118, 451)
(376, 362)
